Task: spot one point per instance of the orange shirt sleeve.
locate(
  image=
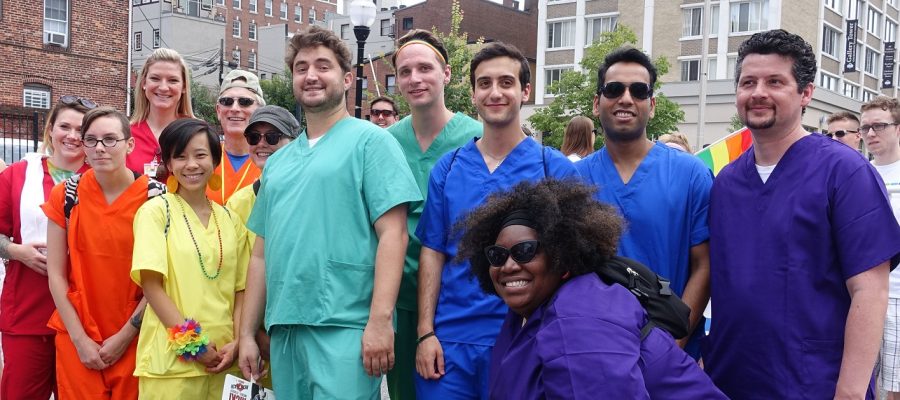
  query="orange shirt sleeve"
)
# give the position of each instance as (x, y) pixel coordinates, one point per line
(55, 204)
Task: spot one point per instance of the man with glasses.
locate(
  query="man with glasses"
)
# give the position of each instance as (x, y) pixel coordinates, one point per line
(843, 126)
(239, 97)
(669, 232)
(881, 134)
(802, 235)
(383, 112)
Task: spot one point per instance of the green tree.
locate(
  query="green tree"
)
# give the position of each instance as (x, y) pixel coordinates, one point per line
(279, 91)
(203, 101)
(736, 123)
(577, 88)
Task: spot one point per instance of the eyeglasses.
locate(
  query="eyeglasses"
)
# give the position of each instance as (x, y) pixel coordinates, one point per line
(71, 100)
(841, 133)
(638, 90)
(244, 102)
(522, 253)
(876, 127)
(382, 113)
(107, 141)
(253, 138)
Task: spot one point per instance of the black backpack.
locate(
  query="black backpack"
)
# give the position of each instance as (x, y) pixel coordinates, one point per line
(664, 308)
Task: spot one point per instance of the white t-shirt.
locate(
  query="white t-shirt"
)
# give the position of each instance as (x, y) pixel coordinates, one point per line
(890, 174)
(573, 157)
(765, 171)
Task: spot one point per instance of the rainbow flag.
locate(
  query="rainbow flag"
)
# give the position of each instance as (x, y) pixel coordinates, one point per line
(717, 155)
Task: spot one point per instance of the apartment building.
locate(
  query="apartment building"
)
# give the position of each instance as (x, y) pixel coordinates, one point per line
(854, 41)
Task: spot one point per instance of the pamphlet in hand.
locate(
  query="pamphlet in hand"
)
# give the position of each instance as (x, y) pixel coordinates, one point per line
(240, 389)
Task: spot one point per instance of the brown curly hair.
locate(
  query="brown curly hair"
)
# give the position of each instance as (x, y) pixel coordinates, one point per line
(577, 233)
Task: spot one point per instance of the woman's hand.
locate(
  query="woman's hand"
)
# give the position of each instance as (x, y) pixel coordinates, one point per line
(211, 357)
(89, 354)
(30, 254)
(115, 346)
(226, 358)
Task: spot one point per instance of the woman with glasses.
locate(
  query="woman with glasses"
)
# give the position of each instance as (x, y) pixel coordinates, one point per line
(90, 240)
(190, 258)
(579, 140)
(239, 97)
(568, 334)
(163, 94)
(25, 302)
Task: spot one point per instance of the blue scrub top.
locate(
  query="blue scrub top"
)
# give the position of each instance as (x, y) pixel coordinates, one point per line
(781, 253)
(464, 313)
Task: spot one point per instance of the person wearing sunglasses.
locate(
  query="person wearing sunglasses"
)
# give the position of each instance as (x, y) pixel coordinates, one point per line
(383, 112)
(430, 131)
(29, 370)
(669, 234)
(843, 126)
(239, 97)
(567, 334)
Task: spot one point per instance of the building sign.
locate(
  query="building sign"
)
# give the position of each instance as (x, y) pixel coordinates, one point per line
(887, 66)
(850, 53)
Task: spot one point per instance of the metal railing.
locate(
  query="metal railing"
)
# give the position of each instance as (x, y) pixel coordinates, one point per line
(20, 132)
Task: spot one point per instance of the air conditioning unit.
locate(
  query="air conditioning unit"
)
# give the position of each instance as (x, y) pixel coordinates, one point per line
(55, 38)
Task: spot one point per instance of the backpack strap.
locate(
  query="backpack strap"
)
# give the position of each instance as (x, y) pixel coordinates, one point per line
(544, 161)
(256, 186)
(71, 198)
(645, 330)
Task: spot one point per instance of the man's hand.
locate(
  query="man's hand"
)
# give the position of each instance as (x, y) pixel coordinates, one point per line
(248, 359)
(430, 358)
(378, 347)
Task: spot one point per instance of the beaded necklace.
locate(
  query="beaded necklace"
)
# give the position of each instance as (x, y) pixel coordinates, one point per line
(196, 247)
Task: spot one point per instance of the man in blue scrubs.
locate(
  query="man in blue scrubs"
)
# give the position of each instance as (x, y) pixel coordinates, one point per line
(663, 193)
(801, 240)
(457, 321)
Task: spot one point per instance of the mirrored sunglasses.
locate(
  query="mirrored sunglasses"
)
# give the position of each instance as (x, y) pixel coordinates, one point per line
(638, 90)
(522, 253)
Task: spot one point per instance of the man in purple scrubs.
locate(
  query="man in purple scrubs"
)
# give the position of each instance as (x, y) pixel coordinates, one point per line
(801, 240)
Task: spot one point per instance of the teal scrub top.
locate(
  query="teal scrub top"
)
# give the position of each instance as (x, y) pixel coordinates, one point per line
(459, 130)
(316, 209)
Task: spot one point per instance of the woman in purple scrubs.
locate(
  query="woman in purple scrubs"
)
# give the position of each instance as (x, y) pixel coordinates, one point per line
(568, 334)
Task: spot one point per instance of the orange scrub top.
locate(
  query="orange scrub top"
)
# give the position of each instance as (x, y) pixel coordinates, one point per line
(229, 180)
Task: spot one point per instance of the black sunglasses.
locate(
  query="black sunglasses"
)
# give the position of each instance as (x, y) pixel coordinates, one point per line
(244, 102)
(638, 90)
(841, 133)
(253, 138)
(71, 100)
(522, 253)
(381, 113)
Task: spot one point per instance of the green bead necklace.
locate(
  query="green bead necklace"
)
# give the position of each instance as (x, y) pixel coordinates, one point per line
(196, 247)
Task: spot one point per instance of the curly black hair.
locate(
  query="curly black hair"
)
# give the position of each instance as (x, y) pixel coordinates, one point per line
(625, 54)
(577, 233)
(783, 43)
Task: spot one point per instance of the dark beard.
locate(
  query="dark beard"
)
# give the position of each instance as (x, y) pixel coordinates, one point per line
(624, 136)
(763, 125)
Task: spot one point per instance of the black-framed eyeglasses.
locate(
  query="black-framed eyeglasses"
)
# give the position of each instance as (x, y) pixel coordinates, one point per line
(638, 90)
(876, 127)
(253, 138)
(522, 253)
(841, 133)
(244, 102)
(71, 100)
(382, 113)
(107, 141)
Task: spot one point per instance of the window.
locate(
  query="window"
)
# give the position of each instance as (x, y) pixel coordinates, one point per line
(236, 27)
(855, 12)
(156, 38)
(251, 30)
(138, 41)
(851, 90)
(390, 84)
(236, 56)
(386, 27)
(828, 82)
(690, 70)
(282, 12)
(251, 60)
(251, 6)
(596, 26)
(298, 14)
(236, 4)
(692, 19)
(56, 22)
(831, 43)
(220, 2)
(712, 66)
(872, 61)
(35, 96)
(345, 31)
(873, 21)
(890, 31)
(268, 7)
(312, 16)
(749, 16)
(407, 23)
(731, 67)
(868, 95)
(834, 5)
(553, 76)
(560, 34)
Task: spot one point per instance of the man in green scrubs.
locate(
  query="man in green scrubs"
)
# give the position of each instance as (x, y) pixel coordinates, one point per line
(331, 223)
(430, 131)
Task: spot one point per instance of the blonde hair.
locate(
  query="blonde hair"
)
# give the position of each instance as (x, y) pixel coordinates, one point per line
(579, 133)
(676, 138)
(142, 104)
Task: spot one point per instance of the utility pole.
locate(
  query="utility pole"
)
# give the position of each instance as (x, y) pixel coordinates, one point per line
(704, 73)
(221, 61)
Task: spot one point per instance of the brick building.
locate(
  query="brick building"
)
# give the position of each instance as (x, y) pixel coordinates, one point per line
(63, 47)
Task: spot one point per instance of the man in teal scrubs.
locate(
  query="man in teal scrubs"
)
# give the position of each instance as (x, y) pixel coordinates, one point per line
(331, 224)
(430, 131)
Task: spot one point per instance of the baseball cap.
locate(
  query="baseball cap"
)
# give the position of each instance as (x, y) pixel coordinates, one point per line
(280, 118)
(242, 79)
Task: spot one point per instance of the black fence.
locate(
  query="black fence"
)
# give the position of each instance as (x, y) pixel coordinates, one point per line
(21, 131)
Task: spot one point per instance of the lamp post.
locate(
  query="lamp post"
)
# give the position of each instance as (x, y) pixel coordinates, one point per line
(362, 16)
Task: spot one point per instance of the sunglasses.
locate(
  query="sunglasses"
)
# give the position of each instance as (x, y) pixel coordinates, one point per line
(244, 102)
(253, 138)
(522, 253)
(841, 133)
(381, 113)
(638, 90)
(71, 100)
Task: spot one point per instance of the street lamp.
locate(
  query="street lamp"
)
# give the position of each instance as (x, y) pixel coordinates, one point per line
(362, 16)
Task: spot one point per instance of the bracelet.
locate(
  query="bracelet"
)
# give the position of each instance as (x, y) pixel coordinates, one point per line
(423, 337)
(187, 340)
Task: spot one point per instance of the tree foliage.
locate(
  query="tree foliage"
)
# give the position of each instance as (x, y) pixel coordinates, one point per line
(577, 88)
(279, 91)
(203, 101)
(735, 123)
